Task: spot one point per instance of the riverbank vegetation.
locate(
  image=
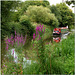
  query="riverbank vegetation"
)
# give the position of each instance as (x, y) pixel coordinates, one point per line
(25, 26)
(58, 58)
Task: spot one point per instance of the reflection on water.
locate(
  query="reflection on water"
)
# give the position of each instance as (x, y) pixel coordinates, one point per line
(60, 38)
(56, 39)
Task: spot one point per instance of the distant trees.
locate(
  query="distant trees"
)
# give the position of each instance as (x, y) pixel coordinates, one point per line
(66, 14)
(69, 2)
(6, 12)
(57, 13)
(26, 4)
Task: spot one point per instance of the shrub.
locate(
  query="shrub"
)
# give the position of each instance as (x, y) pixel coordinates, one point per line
(24, 21)
(41, 14)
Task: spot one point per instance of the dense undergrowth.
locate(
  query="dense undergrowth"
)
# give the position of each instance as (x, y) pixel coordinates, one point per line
(57, 58)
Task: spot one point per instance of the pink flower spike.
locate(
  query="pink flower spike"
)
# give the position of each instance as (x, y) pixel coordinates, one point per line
(41, 29)
(39, 37)
(23, 42)
(11, 36)
(33, 36)
(42, 26)
(36, 32)
(8, 40)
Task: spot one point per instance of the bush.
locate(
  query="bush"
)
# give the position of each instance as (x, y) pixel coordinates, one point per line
(12, 26)
(24, 21)
(41, 14)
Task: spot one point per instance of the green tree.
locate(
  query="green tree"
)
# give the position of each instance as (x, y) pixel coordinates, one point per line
(7, 7)
(27, 26)
(57, 13)
(41, 14)
(69, 2)
(26, 4)
(66, 14)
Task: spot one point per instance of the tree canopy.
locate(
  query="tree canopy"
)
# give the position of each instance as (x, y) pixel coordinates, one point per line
(69, 2)
(41, 14)
(66, 14)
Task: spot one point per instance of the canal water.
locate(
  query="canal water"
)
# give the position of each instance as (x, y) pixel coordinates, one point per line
(5, 54)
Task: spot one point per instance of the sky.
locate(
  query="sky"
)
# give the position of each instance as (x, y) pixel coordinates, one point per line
(54, 2)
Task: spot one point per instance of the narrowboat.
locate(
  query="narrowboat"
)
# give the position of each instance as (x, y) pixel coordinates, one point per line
(61, 30)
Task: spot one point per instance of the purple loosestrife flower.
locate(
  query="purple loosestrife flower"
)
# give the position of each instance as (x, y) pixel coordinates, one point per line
(15, 39)
(8, 40)
(11, 36)
(41, 28)
(7, 47)
(36, 32)
(39, 37)
(34, 36)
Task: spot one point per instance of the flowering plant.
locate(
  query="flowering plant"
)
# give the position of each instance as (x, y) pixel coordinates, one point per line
(40, 30)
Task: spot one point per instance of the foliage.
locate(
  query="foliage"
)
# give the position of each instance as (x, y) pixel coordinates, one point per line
(11, 68)
(57, 13)
(41, 14)
(66, 14)
(63, 53)
(11, 27)
(26, 4)
(7, 7)
(24, 21)
(70, 2)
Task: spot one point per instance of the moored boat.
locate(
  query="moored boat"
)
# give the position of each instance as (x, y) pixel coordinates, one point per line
(61, 30)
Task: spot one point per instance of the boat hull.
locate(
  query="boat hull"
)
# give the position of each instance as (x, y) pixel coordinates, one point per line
(59, 31)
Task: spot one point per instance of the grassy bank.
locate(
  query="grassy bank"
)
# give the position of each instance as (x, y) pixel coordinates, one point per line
(59, 59)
